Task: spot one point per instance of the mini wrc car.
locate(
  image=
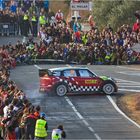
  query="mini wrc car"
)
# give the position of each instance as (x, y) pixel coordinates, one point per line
(61, 81)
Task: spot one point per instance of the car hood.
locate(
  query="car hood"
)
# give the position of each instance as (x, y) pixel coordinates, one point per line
(107, 78)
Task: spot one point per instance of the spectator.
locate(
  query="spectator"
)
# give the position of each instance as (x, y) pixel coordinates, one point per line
(26, 24)
(30, 124)
(58, 133)
(136, 26)
(5, 109)
(41, 127)
(59, 16)
(34, 25)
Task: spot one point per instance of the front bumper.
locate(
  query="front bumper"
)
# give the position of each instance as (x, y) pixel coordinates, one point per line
(47, 88)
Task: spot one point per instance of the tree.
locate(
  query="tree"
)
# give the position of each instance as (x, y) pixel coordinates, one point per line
(115, 13)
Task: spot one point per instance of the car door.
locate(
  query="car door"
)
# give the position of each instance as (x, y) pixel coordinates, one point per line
(69, 77)
(87, 81)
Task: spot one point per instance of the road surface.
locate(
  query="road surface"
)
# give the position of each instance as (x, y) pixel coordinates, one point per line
(85, 117)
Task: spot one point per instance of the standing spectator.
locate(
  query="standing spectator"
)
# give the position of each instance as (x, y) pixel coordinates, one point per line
(30, 125)
(27, 4)
(41, 127)
(20, 22)
(59, 16)
(46, 6)
(91, 21)
(26, 24)
(39, 4)
(42, 19)
(13, 6)
(136, 26)
(5, 109)
(37, 111)
(34, 23)
(1, 5)
(33, 9)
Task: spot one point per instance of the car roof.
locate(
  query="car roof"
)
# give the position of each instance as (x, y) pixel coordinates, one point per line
(66, 68)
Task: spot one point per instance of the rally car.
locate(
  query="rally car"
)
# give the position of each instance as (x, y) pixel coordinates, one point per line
(61, 81)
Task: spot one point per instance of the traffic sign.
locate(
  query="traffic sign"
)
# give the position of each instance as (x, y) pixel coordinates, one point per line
(80, 6)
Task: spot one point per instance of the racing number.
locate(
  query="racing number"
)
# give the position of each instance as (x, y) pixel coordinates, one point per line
(90, 81)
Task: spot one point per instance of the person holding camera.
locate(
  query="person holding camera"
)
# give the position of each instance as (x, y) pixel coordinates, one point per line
(58, 133)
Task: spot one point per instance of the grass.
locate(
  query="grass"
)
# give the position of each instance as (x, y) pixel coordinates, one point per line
(130, 105)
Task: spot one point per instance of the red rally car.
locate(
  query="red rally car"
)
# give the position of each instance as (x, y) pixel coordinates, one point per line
(65, 80)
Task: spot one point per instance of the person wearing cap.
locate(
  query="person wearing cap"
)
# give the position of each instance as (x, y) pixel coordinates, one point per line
(41, 127)
(58, 133)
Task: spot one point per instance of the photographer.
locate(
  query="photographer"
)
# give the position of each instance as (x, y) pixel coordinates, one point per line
(58, 133)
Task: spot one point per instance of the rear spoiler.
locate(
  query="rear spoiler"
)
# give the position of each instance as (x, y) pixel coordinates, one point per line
(43, 72)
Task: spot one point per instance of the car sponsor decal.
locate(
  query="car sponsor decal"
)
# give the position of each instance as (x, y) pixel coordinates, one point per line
(90, 81)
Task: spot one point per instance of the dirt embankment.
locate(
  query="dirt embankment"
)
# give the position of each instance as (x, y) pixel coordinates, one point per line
(130, 105)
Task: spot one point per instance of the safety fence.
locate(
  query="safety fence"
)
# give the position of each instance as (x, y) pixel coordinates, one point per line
(7, 29)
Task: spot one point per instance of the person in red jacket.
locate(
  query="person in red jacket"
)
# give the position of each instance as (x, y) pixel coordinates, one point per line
(30, 124)
(136, 26)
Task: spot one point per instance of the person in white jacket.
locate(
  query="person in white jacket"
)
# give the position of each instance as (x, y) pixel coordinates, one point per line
(58, 133)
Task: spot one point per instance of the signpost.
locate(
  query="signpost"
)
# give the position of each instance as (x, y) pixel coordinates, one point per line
(80, 6)
(77, 6)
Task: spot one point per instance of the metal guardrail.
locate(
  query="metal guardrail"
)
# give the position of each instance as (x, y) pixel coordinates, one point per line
(52, 61)
(7, 29)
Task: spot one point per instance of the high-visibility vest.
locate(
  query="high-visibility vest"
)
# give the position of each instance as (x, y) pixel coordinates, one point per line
(40, 130)
(33, 18)
(25, 17)
(56, 134)
(42, 20)
(107, 57)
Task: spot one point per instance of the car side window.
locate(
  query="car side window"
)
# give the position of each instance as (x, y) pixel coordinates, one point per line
(85, 73)
(56, 73)
(70, 73)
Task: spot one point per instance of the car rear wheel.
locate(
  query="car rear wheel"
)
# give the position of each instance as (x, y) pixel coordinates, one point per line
(61, 90)
(108, 88)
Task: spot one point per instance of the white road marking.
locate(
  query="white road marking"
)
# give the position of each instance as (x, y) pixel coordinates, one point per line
(122, 80)
(125, 85)
(128, 85)
(131, 73)
(37, 66)
(131, 90)
(82, 118)
(128, 68)
(117, 108)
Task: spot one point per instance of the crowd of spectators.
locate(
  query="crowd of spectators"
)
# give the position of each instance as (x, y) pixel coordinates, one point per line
(58, 40)
(91, 47)
(23, 14)
(17, 115)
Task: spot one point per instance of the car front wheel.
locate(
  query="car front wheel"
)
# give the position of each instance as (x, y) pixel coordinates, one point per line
(108, 88)
(61, 90)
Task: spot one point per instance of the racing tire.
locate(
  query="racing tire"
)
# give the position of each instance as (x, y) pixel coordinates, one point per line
(61, 90)
(108, 88)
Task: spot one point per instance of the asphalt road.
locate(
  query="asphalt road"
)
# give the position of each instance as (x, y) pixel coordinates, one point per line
(84, 116)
